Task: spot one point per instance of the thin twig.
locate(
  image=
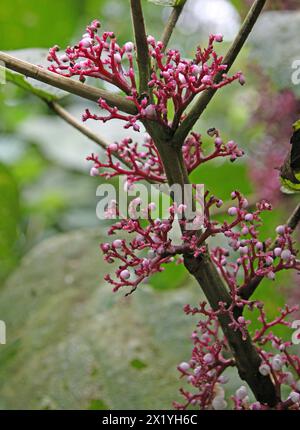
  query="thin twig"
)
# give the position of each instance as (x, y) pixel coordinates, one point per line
(140, 36)
(171, 23)
(248, 290)
(229, 59)
(74, 87)
(70, 119)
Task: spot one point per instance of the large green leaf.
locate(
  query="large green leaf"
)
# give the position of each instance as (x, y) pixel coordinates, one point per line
(37, 57)
(9, 220)
(72, 343)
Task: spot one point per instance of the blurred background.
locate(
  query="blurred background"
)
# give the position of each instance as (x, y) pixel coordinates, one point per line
(71, 343)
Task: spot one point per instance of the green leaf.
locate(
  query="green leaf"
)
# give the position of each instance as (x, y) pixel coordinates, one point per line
(36, 56)
(173, 3)
(9, 220)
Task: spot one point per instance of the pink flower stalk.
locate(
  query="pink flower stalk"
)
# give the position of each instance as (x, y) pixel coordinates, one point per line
(255, 258)
(145, 163)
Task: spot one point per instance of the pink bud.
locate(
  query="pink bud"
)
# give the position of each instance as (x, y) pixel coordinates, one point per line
(241, 393)
(184, 366)
(259, 246)
(232, 211)
(219, 37)
(280, 229)
(241, 320)
(245, 231)
(129, 47)
(294, 396)
(117, 243)
(245, 203)
(264, 369)
(105, 247)
(243, 250)
(277, 252)
(218, 142)
(206, 80)
(208, 358)
(86, 42)
(195, 70)
(125, 274)
(242, 79)
(286, 255)
(113, 147)
(64, 58)
(271, 276)
(181, 78)
(117, 58)
(151, 40)
(248, 217)
(94, 171)
(269, 261)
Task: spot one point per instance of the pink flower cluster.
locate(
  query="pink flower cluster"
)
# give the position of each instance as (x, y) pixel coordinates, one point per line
(97, 57)
(255, 258)
(144, 162)
(207, 370)
(173, 78)
(137, 164)
(179, 80)
(145, 253)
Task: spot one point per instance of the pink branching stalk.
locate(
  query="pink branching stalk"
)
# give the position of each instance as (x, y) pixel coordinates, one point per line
(144, 162)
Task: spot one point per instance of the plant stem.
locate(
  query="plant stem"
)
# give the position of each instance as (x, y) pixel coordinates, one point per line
(143, 59)
(229, 59)
(74, 87)
(171, 23)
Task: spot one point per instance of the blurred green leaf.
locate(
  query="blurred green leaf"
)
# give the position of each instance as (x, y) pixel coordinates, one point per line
(280, 60)
(37, 57)
(9, 220)
(48, 22)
